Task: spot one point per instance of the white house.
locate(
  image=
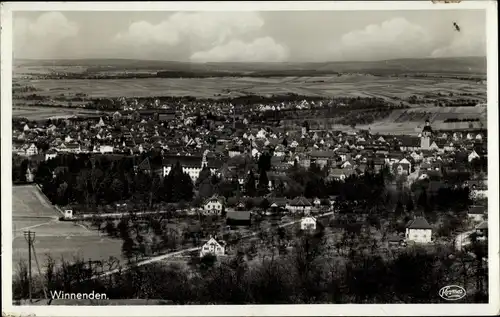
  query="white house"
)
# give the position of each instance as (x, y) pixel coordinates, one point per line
(418, 230)
(261, 134)
(50, 154)
(213, 205)
(68, 214)
(300, 204)
(213, 247)
(26, 127)
(308, 223)
(32, 150)
(473, 155)
(106, 149)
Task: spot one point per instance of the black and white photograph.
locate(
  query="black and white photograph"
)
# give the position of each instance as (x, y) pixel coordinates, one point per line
(203, 156)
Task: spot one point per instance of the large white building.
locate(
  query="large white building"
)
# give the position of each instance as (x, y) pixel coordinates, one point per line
(191, 165)
(419, 230)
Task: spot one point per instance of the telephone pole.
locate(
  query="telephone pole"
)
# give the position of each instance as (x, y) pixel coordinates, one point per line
(30, 238)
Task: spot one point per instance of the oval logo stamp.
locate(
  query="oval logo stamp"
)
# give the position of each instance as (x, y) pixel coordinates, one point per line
(452, 292)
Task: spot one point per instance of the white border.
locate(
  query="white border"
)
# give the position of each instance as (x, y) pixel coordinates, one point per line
(492, 308)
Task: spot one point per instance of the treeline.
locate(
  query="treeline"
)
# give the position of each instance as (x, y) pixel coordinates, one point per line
(17, 88)
(91, 181)
(449, 120)
(338, 107)
(304, 274)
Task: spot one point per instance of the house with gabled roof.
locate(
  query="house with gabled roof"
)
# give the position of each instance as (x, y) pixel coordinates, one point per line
(402, 167)
(31, 150)
(214, 247)
(144, 166)
(419, 230)
(214, 205)
(482, 229)
(299, 204)
(308, 223)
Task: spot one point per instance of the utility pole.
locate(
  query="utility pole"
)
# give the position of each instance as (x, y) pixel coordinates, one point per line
(30, 238)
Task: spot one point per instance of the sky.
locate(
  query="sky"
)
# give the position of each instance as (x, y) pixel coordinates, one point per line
(267, 36)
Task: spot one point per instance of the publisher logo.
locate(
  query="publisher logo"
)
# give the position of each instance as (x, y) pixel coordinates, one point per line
(452, 292)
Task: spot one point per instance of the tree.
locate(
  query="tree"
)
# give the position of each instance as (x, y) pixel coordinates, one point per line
(205, 188)
(117, 189)
(409, 205)
(110, 228)
(265, 204)
(264, 162)
(280, 189)
(204, 174)
(250, 185)
(263, 187)
(178, 185)
(422, 199)
(128, 248)
(285, 143)
(399, 211)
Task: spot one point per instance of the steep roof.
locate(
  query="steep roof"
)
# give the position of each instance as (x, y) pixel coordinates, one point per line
(476, 210)
(418, 223)
(483, 225)
(184, 160)
(238, 215)
(300, 201)
(145, 165)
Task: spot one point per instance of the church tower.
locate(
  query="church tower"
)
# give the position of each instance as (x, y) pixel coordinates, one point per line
(204, 161)
(425, 138)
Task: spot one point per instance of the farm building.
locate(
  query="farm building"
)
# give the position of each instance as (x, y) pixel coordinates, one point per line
(482, 229)
(476, 213)
(418, 230)
(239, 218)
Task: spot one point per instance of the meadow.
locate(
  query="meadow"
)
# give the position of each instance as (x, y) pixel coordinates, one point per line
(326, 86)
(34, 112)
(411, 121)
(54, 238)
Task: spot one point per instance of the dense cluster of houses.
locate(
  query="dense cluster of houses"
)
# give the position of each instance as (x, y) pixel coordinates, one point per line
(229, 147)
(195, 147)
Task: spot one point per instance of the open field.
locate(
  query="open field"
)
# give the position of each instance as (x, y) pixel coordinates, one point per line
(346, 85)
(32, 112)
(459, 65)
(31, 211)
(411, 121)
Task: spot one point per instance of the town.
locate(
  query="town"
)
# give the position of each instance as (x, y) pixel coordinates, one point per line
(266, 160)
(241, 183)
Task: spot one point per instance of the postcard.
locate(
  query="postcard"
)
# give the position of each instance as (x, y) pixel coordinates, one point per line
(250, 158)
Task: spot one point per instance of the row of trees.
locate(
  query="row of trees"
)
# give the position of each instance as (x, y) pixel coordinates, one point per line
(303, 276)
(93, 181)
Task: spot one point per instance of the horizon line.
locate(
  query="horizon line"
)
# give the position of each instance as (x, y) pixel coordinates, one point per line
(228, 62)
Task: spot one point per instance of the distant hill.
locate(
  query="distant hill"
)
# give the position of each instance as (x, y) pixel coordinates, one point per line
(461, 65)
